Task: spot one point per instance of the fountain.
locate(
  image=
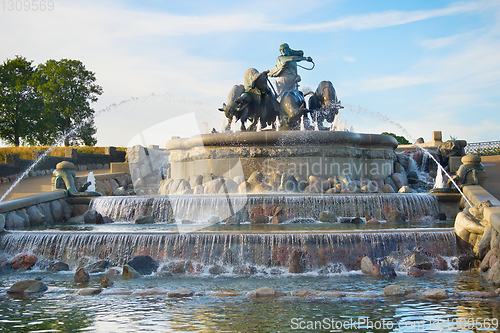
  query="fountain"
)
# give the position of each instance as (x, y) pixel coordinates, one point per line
(298, 208)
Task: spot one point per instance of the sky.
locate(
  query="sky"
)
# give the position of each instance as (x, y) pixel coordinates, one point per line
(407, 67)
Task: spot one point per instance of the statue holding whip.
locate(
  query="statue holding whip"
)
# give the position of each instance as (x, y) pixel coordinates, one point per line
(286, 69)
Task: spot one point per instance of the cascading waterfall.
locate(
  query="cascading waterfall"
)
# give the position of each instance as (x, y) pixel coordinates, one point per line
(201, 208)
(231, 249)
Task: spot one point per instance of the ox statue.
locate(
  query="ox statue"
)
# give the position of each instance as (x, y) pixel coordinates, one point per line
(231, 109)
(323, 104)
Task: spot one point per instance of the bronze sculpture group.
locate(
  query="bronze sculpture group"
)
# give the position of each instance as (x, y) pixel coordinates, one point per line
(258, 101)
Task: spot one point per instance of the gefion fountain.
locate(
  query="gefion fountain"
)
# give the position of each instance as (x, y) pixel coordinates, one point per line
(297, 208)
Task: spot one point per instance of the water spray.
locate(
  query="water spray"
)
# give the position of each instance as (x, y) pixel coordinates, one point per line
(405, 132)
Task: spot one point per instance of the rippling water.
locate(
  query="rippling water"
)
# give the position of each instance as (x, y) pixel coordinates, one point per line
(61, 309)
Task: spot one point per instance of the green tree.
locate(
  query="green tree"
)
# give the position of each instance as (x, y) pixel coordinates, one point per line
(19, 101)
(68, 89)
(401, 139)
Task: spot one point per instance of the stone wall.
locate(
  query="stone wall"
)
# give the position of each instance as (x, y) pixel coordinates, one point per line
(18, 165)
(45, 209)
(478, 229)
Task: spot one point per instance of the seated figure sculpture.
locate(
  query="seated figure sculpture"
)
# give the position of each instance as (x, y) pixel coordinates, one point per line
(286, 69)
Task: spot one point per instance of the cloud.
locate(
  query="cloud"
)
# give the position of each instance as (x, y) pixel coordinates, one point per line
(349, 59)
(439, 43)
(389, 18)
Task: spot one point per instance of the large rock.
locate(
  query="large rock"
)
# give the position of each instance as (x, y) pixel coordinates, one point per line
(144, 219)
(214, 186)
(145, 265)
(45, 209)
(182, 187)
(415, 272)
(377, 268)
(98, 267)
(228, 186)
(67, 209)
(58, 267)
(216, 270)
(440, 263)
(24, 215)
(485, 243)
(265, 292)
(114, 185)
(419, 260)
(129, 272)
(390, 182)
(297, 262)
(81, 276)
(395, 216)
(493, 275)
(57, 211)
(465, 225)
(23, 261)
(27, 287)
(289, 183)
(367, 266)
(14, 221)
(195, 181)
(405, 189)
(120, 192)
(92, 217)
(259, 219)
(256, 178)
(399, 179)
(464, 262)
(404, 160)
(327, 217)
(395, 290)
(101, 188)
(76, 220)
(387, 188)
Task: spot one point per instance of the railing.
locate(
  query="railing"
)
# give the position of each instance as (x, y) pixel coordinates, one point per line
(483, 148)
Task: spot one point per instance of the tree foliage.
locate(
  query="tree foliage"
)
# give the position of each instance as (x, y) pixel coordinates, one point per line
(18, 101)
(40, 105)
(67, 89)
(401, 139)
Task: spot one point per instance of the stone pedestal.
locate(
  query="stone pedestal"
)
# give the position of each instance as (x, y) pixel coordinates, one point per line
(318, 153)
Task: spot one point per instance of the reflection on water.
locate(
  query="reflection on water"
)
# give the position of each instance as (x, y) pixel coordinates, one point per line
(60, 309)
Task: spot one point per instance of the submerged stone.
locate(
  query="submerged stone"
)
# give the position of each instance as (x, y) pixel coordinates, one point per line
(395, 290)
(106, 282)
(89, 291)
(434, 293)
(130, 273)
(185, 292)
(27, 287)
(265, 292)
